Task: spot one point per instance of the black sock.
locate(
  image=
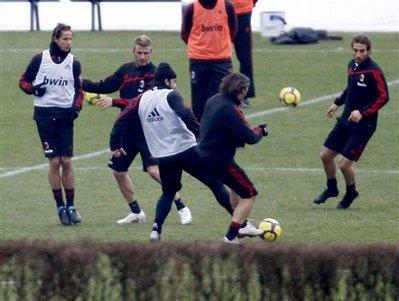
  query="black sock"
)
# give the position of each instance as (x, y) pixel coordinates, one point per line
(134, 207)
(351, 189)
(70, 196)
(332, 184)
(179, 204)
(233, 230)
(57, 194)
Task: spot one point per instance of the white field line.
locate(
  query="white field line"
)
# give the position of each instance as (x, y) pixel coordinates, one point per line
(258, 50)
(262, 113)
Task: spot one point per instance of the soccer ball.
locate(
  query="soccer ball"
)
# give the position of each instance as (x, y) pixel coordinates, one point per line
(289, 96)
(272, 229)
(92, 98)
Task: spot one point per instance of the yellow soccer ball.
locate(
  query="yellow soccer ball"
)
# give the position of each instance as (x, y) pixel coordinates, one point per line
(289, 96)
(272, 229)
(92, 98)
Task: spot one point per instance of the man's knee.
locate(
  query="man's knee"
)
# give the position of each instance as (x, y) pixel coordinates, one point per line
(153, 171)
(344, 163)
(326, 155)
(120, 175)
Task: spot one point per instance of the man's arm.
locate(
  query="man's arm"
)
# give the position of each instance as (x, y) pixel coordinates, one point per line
(240, 129)
(381, 99)
(187, 22)
(110, 84)
(232, 20)
(175, 101)
(26, 80)
(77, 71)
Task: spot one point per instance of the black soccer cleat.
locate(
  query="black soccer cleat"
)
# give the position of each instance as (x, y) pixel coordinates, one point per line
(347, 200)
(74, 215)
(326, 194)
(63, 216)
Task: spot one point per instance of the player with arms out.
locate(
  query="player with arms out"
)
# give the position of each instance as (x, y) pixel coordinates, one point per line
(365, 94)
(132, 79)
(53, 78)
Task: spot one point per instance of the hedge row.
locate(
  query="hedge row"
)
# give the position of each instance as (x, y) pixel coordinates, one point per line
(86, 270)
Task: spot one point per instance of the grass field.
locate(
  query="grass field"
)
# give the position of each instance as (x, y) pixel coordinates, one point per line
(284, 167)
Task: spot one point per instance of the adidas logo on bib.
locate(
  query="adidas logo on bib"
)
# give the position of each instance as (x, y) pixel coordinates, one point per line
(154, 116)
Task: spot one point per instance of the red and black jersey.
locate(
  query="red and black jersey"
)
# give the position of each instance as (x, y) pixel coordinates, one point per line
(129, 80)
(366, 91)
(223, 129)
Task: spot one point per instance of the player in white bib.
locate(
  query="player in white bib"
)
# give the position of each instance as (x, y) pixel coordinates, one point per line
(53, 78)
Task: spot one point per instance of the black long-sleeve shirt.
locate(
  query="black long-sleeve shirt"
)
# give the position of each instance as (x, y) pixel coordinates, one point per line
(129, 80)
(366, 91)
(223, 129)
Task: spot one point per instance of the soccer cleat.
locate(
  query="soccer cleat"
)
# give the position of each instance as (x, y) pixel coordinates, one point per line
(155, 236)
(250, 231)
(235, 241)
(63, 216)
(347, 200)
(132, 218)
(326, 194)
(185, 216)
(74, 215)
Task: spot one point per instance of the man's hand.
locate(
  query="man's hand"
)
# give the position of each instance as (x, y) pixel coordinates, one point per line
(264, 129)
(119, 152)
(38, 90)
(355, 116)
(331, 110)
(104, 102)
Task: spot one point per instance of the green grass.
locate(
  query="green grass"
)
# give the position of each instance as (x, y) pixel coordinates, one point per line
(284, 167)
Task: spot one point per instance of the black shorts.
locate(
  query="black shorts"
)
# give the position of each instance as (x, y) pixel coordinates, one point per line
(349, 139)
(234, 177)
(56, 136)
(122, 163)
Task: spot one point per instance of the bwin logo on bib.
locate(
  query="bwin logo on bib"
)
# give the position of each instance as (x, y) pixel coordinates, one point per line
(55, 81)
(154, 116)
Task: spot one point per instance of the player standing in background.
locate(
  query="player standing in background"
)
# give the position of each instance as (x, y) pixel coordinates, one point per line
(53, 78)
(132, 79)
(224, 129)
(208, 29)
(366, 92)
(243, 42)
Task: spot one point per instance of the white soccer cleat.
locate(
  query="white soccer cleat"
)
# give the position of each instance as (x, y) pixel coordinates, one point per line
(132, 218)
(235, 241)
(185, 216)
(155, 236)
(250, 230)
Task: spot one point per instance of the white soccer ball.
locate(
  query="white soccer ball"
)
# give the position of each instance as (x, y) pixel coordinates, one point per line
(289, 96)
(272, 229)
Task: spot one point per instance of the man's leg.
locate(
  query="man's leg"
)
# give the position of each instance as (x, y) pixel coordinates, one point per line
(243, 49)
(126, 187)
(170, 175)
(68, 182)
(183, 211)
(346, 167)
(54, 177)
(331, 190)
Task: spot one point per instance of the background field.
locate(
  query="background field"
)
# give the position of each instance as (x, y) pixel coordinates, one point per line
(284, 167)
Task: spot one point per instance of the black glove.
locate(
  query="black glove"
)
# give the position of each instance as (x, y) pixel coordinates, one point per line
(38, 90)
(264, 129)
(75, 112)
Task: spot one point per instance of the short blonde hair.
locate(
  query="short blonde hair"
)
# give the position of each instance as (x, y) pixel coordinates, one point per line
(143, 41)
